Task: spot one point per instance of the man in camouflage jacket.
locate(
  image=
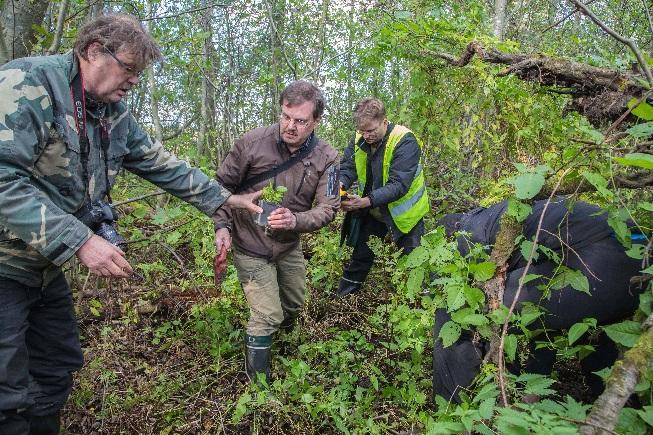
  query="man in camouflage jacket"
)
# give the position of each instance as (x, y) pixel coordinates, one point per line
(48, 171)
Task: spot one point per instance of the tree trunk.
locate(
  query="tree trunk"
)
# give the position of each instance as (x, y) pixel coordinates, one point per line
(276, 17)
(625, 375)
(499, 19)
(17, 24)
(206, 137)
(95, 8)
(61, 18)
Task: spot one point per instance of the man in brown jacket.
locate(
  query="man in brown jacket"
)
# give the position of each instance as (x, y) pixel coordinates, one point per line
(269, 259)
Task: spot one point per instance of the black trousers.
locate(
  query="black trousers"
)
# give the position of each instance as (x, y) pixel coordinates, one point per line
(39, 351)
(608, 271)
(362, 258)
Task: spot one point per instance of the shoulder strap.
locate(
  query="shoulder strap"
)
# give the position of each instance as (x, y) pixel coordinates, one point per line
(276, 170)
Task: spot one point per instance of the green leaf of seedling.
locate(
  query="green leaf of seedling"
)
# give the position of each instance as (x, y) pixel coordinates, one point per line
(603, 373)
(641, 130)
(466, 316)
(625, 333)
(530, 277)
(529, 313)
(510, 347)
(643, 109)
(648, 206)
(483, 271)
(499, 315)
(576, 410)
(474, 296)
(526, 247)
(415, 280)
(599, 183)
(636, 251)
(648, 270)
(527, 185)
(486, 409)
(646, 303)
(455, 296)
(646, 414)
(629, 423)
(619, 226)
(576, 331)
(639, 160)
(450, 333)
(417, 257)
(518, 209)
(537, 384)
(574, 278)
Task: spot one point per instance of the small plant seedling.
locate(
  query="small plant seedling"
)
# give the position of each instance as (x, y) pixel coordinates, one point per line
(273, 195)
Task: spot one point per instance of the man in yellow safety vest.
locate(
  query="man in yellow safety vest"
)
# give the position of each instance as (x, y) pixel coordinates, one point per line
(385, 160)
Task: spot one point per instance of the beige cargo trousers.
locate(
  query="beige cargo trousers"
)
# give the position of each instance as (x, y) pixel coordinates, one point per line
(274, 290)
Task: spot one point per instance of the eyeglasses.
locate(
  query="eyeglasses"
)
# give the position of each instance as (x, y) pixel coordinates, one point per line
(370, 131)
(128, 69)
(298, 122)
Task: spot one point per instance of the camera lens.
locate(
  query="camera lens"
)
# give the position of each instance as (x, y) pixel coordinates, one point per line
(109, 233)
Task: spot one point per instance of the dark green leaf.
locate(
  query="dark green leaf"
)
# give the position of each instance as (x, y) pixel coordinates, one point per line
(518, 209)
(482, 271)
(574, 278)
(576, 331)
(641, 130)
(643, 109)
(449, 333)
(625, 333)
(510, 347)
(527, 185)
(639, 160)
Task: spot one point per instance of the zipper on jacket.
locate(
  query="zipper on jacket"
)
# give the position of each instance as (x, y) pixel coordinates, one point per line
(301, 183)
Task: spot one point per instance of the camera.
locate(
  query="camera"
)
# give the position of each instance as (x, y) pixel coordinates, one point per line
(99, 217)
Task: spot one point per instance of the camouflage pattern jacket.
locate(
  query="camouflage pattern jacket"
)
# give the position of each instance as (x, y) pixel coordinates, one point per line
(41, 170)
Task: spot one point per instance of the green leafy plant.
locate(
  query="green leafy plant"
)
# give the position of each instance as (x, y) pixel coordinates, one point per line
(273, 194)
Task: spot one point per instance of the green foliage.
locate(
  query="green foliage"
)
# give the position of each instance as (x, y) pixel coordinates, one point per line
(272, 194)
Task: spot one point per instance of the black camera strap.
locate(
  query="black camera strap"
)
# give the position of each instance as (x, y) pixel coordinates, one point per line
(308, 146)
(79, 113)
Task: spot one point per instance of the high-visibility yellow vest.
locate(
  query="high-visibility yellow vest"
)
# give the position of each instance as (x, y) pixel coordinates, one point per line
(414, 205)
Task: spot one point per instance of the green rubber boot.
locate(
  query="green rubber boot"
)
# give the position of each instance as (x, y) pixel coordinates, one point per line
(258, 356)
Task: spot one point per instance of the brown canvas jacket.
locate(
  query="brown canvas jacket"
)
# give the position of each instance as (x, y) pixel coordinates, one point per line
(258, 151)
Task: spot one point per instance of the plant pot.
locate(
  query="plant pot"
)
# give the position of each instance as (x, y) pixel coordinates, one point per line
(268, 207)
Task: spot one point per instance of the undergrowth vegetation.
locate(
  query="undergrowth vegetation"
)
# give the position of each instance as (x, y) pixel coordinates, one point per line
(164, 350)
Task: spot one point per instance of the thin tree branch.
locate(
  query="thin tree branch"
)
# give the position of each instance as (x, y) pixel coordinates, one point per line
(189, 11)
(283, 45)
(61, 19)
(648, 16)
(181, 129)
(138, 198)
(626, 41)
(565, 18)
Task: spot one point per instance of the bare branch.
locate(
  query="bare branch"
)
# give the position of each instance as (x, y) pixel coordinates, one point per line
(61, 19)
(138, 198)
(565, 18)
(189, 11)
(628, 42)
(181, 129)
(283, 46)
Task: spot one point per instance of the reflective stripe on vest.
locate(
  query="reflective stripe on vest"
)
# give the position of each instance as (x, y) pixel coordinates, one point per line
(414, 205)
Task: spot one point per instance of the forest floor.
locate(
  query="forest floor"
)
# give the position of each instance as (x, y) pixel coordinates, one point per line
(148, 371)
(170, 360)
